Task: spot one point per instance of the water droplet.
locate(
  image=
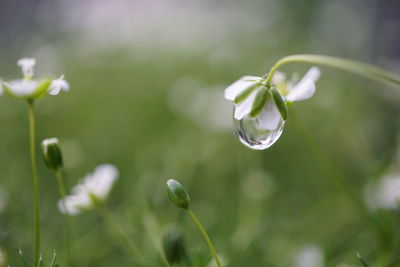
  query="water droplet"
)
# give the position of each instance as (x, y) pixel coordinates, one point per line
(254, 136)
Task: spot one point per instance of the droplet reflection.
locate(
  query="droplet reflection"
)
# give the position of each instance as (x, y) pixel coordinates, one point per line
(252, 135)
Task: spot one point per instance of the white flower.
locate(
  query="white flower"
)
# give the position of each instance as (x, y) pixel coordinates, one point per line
(28, 88)
(58, 85)
(27, 65)
(1, 87)
(270, 117)
(309, 256)
(95, 187)
(384, 193)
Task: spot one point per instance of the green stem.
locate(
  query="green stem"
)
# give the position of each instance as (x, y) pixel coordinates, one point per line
(61, 188)
(120, 231)
(35, 187)
(206, 237)
(341, 183)
(363, 69)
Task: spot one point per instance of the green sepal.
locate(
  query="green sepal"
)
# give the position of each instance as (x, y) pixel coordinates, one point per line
(41, 90)
(259, 101)
(178, 194)
(279, 103)
(245, 93)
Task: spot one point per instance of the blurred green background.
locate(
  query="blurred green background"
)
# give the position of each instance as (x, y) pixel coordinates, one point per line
(147, 80)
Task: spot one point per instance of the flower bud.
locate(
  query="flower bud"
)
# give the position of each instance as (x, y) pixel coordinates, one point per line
(52, 153)
(173, 246)
(178, 194)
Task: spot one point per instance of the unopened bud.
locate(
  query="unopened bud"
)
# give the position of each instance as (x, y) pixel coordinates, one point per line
(52, 153)
(178, 194)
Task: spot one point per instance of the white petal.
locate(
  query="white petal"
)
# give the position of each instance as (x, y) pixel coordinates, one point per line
(270, 117)
(22, 88)
(278, 77)
(305, 88)
(301, 91)
(313, 73)
(101, 181)
(58, 85)
(1, 88)
(234, 89)
(243, 108)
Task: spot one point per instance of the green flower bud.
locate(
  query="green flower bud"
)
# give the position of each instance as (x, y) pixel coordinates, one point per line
(178, 194)
(279, 103)
(52, 153)
(173, 246)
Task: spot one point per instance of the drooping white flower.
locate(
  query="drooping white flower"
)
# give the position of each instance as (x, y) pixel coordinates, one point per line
(260, 108)
(269, 117)
(58, 85)
(29, 88)
(384, 193)
(94, 187)
(309, 256)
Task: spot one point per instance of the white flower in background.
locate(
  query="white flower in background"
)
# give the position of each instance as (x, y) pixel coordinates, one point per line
(290, 91)
(28, 88)
(94, 187)
(384, 193)
(1, 87)
(309, 256)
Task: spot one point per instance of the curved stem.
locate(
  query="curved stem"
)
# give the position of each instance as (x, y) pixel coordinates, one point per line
(35, 187)
(120, 231)
(340, 63)
(61, 188)
(206, 237)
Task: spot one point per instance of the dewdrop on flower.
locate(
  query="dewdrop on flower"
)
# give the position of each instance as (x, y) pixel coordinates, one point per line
(29, 88)
(260, 109)
(93, 189)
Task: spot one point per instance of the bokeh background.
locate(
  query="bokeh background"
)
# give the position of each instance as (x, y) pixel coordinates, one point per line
(147, 80)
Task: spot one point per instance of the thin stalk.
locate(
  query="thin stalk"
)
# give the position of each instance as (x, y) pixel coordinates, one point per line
(206, 237)
(341, 183)
(363, 69)
(120, 231)
(35, 188)
(61, 188)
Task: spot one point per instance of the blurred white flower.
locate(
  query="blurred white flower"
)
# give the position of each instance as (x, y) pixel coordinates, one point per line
(95, 187)
(291, 91)
(384, 193)
(28, 88)
(58, 85)
(1, 87)
(309, 256)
